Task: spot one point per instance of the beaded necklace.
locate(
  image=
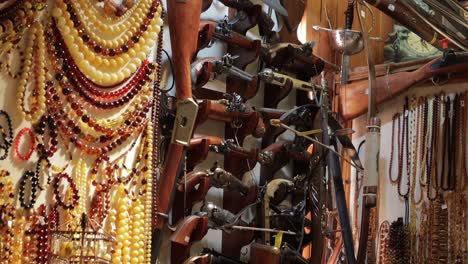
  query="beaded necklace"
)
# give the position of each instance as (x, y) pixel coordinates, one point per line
(123, 28)
(102, 65)
(33, 178)
(72, 186)
(432, 162)
(7, 220)
(425, 173)
(151, 205)
(6, 189)
(383, 241)
(33, 65)
(42, 237)
(404, 149)
(415, 135)
(395, 120)
(19, 228)
(6, 134)
(446, 142)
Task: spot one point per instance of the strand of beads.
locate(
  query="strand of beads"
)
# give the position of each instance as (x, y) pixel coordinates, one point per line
(73, 188)
(137, 242)
(82, 186)
(7, 189)
(33, 178)
(7, 217)
(147, 183)
(102, 65)
(29, 239)
(19, 230)
(103, 28)
(122, 203)
(6, 134)
(43, 235)
(32, 143)
(34, 64)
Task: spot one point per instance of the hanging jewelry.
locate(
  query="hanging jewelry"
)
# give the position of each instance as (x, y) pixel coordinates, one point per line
(72, 187)
(102, 65)
(33, 178)
(32, 143)
(6, 135)
(33, 66)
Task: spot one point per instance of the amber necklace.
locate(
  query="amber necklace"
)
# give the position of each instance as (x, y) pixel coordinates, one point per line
(100, 64)
(34, 64)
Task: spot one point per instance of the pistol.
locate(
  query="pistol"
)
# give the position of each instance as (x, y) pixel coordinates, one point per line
(195, 185)
(210, 31)
(232, 110)
(219, 217)
(189, 230)
(204, 69)
(237, 81)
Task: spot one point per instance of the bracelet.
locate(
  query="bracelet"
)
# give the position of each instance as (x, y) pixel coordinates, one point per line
(17, 141)
(60, 201)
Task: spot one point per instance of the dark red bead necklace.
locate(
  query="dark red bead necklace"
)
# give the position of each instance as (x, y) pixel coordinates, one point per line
(56, 185)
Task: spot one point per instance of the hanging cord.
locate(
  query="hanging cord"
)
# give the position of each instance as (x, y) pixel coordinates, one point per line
(171, 65)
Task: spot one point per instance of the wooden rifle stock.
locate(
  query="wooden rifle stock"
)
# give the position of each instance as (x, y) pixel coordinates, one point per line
(184, 18)
(191, 229)
(353, 96)
(399, 11)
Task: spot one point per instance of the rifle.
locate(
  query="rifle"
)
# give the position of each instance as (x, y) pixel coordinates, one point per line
(195, 185)
(417, 22)
(353, 96)
(191, 229)
(203, 69)
(184, 18)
